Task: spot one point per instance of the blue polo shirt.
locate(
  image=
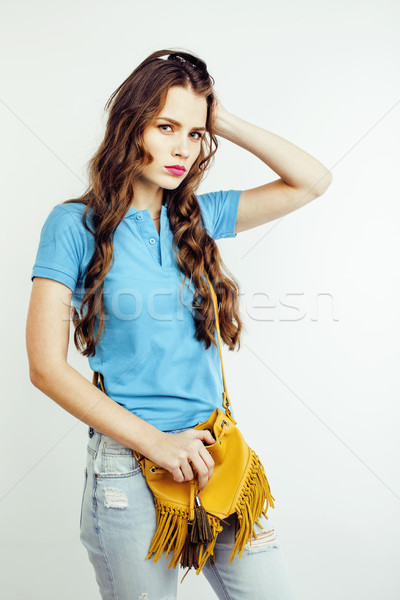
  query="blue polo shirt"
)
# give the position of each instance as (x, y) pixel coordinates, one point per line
(150, 360)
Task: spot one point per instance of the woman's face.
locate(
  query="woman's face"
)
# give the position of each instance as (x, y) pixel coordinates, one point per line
(176, 143)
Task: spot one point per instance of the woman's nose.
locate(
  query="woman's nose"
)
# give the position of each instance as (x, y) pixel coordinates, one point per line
(181, 146)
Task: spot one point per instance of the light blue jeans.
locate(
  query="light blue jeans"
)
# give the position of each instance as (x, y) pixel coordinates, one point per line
(117, 524)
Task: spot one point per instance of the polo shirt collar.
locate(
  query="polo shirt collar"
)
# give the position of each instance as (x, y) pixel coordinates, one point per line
(133, 211)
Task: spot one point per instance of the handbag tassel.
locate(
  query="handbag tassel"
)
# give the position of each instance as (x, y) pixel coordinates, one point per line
(173, 534)
(201, 530)
(190, 554)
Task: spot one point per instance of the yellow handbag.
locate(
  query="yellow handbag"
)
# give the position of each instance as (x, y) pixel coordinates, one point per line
(188, 521)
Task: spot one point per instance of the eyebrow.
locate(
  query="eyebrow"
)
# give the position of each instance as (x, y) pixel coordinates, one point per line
(177, 123)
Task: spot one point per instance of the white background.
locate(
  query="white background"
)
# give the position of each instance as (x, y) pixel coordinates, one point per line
(315, 386)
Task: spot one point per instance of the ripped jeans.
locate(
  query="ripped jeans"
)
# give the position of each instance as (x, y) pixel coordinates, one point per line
(117, 524)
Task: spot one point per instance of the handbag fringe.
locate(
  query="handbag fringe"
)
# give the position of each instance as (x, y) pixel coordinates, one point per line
(172, 532)
(250, 505)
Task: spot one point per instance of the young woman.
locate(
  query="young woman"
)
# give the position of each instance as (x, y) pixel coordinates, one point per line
(128, 259)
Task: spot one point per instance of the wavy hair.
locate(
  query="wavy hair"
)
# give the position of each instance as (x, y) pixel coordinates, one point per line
(112, 172)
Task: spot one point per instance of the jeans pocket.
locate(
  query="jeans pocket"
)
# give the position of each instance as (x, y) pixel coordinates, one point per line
(112, 461)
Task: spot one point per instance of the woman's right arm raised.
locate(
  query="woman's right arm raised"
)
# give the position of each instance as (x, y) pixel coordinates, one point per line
(47, 339)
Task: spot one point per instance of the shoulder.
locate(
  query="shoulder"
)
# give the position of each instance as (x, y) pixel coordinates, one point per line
(64, 226)
(67, 216)
(72, 210)
(62, 245)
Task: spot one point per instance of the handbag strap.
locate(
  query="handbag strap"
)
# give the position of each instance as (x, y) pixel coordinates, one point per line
(225, 398)
(225, 401)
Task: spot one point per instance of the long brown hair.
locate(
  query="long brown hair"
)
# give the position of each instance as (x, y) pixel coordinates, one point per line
(112, 172)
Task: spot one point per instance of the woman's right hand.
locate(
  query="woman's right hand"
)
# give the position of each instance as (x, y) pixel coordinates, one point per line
(181, 453)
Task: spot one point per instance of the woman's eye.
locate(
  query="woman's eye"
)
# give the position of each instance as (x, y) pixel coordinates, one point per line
(165, 125)
(200, 136)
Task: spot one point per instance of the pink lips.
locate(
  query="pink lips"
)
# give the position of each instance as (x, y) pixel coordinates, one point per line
(175, 170)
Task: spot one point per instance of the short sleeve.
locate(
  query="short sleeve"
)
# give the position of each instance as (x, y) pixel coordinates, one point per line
(60, 250)
(219, 210)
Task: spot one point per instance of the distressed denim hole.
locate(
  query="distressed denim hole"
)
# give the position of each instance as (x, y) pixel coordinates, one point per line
(265, 540)
(115, 498)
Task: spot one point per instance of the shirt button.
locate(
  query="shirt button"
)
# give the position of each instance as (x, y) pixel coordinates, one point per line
(139, 217)
(152, 241)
